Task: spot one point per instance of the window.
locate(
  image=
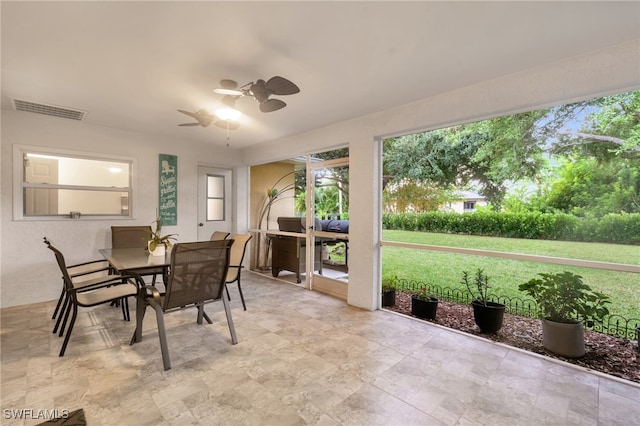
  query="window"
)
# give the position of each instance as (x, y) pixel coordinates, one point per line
(54, 184)
(469, 206)
(215, 197)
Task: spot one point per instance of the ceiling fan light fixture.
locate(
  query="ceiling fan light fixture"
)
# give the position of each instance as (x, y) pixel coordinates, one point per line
(228, 114)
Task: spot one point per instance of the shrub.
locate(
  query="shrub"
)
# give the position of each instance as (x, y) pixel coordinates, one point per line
(612, 228)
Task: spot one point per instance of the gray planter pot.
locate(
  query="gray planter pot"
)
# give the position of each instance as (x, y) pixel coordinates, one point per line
(566, 339)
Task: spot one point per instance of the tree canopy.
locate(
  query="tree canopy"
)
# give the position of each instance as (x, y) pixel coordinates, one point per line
(493, 154)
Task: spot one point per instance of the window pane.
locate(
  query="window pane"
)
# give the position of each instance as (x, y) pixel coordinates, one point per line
(215, 186)
(46, 202)
(75, 171)
(215, 209)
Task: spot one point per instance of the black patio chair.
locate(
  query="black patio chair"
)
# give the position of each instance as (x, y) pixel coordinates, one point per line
(238, 250)
(196, 276)
(109, 289)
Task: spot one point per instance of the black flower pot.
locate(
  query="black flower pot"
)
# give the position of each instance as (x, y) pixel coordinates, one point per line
(425, 309)
(488, 318)
(389, 298)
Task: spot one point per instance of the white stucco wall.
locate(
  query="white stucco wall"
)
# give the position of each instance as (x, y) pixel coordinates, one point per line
(28, 273)
(600, 73)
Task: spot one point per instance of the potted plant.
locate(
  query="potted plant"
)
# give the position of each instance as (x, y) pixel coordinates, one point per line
(424, 305)
(158, 244)
(565, 301)
(389, 290)
(487, 315)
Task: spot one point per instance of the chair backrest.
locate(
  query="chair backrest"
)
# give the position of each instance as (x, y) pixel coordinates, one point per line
(237, 255)
(61, 264)
(219, 235)
(130, 236)
(197, 272)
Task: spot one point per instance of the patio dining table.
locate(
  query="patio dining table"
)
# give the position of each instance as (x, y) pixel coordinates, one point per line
(134, 259)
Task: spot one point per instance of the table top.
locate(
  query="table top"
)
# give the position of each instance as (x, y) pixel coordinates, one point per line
(132, 259)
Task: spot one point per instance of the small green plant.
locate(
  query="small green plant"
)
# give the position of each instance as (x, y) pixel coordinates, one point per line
(423, 294)
(479, 288)
(155, 239)
(563, 297)
(389, 283)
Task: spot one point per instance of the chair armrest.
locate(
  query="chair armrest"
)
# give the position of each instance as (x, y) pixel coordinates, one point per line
(96, 283)
(86, 268)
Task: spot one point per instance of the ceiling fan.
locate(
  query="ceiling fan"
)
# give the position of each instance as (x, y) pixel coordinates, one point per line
(204, 119)
(260, 90)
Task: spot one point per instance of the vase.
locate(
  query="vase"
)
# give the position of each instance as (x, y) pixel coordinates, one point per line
(425, 309)
(488, 318)
(160, 250)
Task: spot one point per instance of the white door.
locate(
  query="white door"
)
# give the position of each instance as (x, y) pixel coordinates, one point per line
(214, 201)
(41, 201)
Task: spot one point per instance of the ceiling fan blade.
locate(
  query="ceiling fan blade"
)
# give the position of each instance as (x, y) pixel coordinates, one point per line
(272, 105)
(228, 84)
(202, 117)
(189, 113)
(228, 88)
(281, 86)
(231, 125)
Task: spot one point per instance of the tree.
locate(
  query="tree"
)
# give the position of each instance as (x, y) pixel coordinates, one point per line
(611, 128)
(487, 153)
(491, 154)
(589, 188)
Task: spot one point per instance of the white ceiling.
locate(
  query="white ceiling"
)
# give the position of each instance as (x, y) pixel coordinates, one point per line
(131, 65)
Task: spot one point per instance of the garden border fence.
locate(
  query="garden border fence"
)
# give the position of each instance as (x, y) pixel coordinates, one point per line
(614, 325)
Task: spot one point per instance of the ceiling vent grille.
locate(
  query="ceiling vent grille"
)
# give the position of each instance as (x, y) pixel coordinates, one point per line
(52, 110)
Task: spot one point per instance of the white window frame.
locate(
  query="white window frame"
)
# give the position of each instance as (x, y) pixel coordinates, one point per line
(18, 181)
(223, 198)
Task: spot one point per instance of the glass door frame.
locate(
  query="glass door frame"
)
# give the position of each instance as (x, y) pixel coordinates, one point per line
(311, 232)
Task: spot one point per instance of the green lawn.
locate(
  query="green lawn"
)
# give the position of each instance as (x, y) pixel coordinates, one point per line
(445, 269)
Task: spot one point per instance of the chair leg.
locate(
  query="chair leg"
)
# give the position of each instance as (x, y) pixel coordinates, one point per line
(61, 313)
(141, 309)
(200, 314)
(70, 304)
(163, 337)
(227, 289)
(125, 309)
(58, 305)
(232, 329)
(241, 295)
(73, 321)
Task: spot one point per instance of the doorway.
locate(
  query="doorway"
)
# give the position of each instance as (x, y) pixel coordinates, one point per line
(310, 250)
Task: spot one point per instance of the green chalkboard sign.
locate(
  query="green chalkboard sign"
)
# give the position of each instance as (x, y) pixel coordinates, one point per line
(168, 189)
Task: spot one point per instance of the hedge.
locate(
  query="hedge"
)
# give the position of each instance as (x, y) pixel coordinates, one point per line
(612, 228)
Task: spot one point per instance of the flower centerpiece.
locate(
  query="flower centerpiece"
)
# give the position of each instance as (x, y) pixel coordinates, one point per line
(158, 243)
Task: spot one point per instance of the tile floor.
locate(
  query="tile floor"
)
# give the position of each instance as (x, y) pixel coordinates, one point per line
(302, 358)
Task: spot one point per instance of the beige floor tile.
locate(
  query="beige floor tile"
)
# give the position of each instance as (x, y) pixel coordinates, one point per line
(303, 358)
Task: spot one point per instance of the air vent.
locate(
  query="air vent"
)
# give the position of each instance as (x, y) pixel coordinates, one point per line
(52, 110)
